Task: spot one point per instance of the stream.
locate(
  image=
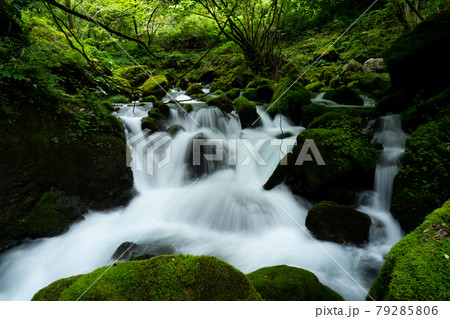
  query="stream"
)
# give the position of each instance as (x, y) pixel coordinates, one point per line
(225, 213)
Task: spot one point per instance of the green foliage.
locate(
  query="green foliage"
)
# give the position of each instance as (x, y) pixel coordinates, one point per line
(119, 99)
(332, 120)
(310, 112)
(423, 182)
(170, 277)
(284, 283)
(417, 267)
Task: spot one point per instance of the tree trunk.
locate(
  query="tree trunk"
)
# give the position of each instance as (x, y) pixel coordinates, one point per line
(69, 15)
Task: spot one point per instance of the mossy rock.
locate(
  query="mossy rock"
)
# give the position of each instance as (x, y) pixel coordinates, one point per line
(284, 283)
(315, 87)
(162, 278)
(183, 84)
(327, 53)
(175, 129)
(258, 82)
(156, 85)
(312, 111)
(370, 82)
(344, 95)
(162, 107)
(250, 94)
(423, 182)
(187, 107)
(156, 114)
(194, 89)
(221, 102)
(241, 79)
(417, 267)
(327, 73)
(220, 85)
(136, 75)
(218, 92)
(246, 111)
(289, 100)
(233, 94)
(154, 125)
(338, 223)
(264, 93)
(149, 99)
(349, 160)
(45, 220)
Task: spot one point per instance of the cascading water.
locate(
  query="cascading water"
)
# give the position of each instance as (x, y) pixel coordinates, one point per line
(225, 213)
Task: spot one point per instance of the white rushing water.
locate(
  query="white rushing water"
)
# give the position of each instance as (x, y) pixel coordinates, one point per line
(225, 213)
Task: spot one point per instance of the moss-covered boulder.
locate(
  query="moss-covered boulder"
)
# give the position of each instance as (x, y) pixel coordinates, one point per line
(156, 85)
(418, 267)
(156, 113)
(327, 74)
(152, 124)
(284, 283)
(250, 94)
(246, 111)
(310, 112)
(315, 86)
(258, 82)
(221, 102)
(183, 84)
(149, 99)
(344, 95)
(175, 129)
(327, 53)
(338, 223)
(170, 277)
(423, 182)
(264, 93)
(369, 82)
(58, 144)
(136, 75)
(220, 85)
(233, 94)
(289, 100)
(194, 89)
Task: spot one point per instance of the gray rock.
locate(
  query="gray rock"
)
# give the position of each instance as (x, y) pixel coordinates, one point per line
(374, 65)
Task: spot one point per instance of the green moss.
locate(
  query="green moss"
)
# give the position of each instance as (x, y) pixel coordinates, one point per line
(250, 94)
(338, 223)
(233, 94)
(349, 158)
(155, 85)
(220, 85)
(53, 291)
(312, 111)
(175, 129)
(170, 277)
(289, 99)
(156, 114)
(154, 125)
(315, 87)
(264, 93)
(423, 182)
(326, 53)
(417, 267)
(194, 89)
(284, 283)
(221, 102)
(183, 84)
(257, 82)
(135, 74)
(149, 99)
(45, 220)
(107, 105)
(344, 95)
(246, 111)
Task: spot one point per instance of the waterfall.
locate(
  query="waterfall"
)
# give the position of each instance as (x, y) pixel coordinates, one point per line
(224, 213)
